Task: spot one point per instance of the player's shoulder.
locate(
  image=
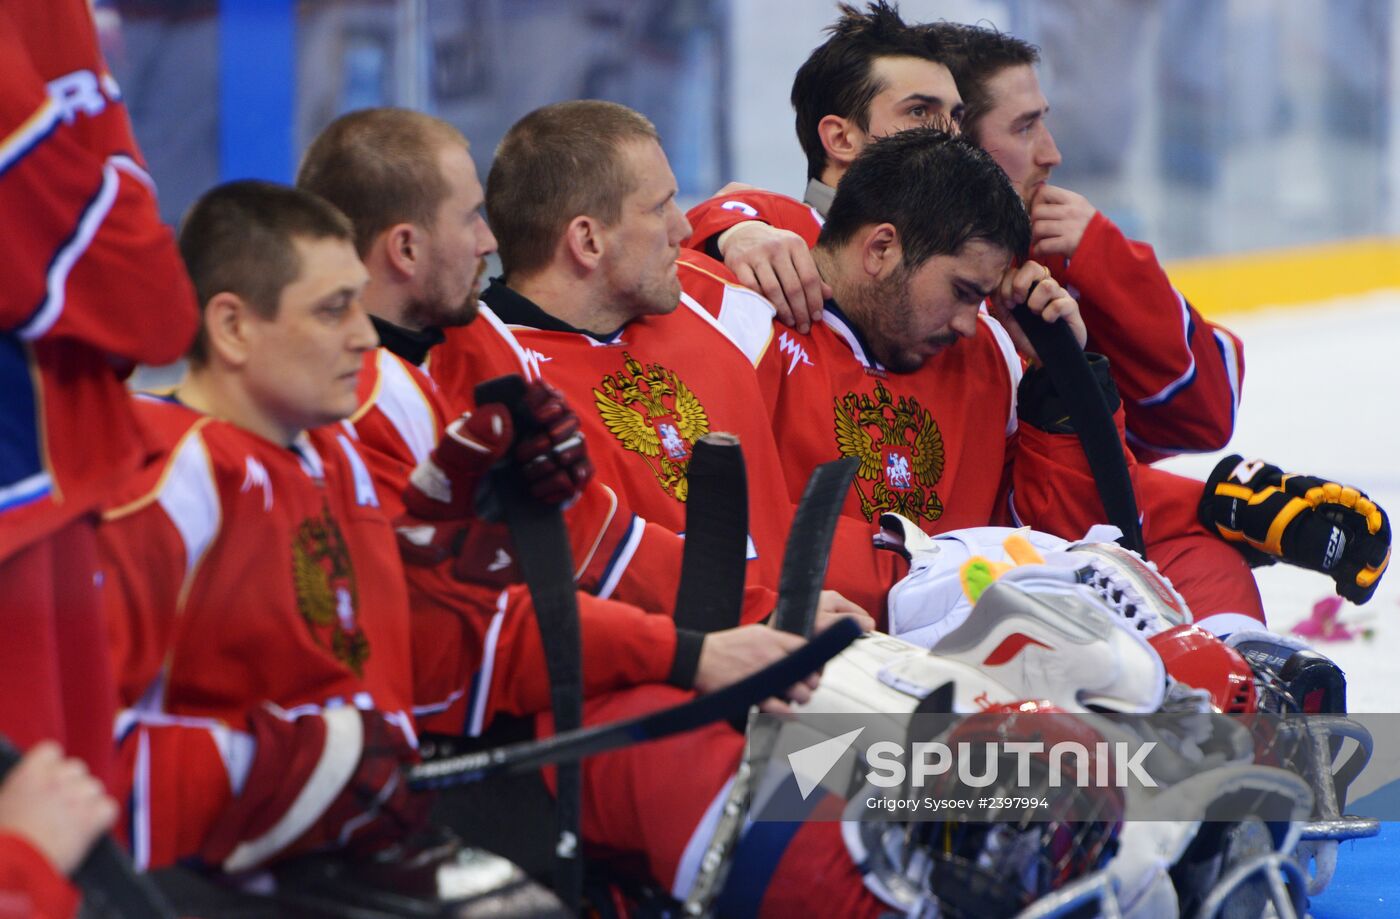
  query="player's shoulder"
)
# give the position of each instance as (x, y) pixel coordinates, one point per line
(390, 384)
(993, 345)
(181, 463)
(771, 207)
(711, 291)
(715, 287)
(163, 418)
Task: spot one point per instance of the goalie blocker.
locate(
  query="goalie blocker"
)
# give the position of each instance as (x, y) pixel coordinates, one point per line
(1304, 520)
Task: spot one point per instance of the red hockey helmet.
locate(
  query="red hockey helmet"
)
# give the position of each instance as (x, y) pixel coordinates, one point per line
(1197, 658)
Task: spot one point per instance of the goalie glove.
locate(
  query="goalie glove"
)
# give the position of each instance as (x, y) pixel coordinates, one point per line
(1304, 520)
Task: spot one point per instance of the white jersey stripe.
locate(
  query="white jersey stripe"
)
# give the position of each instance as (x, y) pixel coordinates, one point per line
(190, 499)
(1014, 367)
(27, 489)
(406, 407)
(68, 255)
(529, 366)
(476, 723)
(29, 134)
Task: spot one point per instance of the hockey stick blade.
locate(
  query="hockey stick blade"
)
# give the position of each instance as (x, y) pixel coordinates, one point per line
(729, 702)
(546, 562)
(111, 886)
(808, 548)
(713, 563)
(1068, 367)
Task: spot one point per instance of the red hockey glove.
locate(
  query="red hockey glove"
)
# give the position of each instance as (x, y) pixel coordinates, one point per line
(554, 458)
(326, 781)
(1304, 520)
(483, 549)
(443, 486)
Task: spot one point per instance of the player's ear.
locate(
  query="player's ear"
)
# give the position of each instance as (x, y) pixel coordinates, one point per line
(583, 240)
(880, 250)
(227, 328)
(841, 139)
(402, 246)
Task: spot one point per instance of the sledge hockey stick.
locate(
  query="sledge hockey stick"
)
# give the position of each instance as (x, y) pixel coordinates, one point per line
(805, 559)
(713, 562)
(1069, 369)
(546, 562)
(736, 698)
(808, 549)
(109, 882)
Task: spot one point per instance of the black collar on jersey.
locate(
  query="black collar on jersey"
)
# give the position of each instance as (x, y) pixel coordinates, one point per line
(831, 308)
(405, 343)
(514, 308)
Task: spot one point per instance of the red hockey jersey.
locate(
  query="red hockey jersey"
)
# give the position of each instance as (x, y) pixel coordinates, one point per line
(1179, 374)
(93, 281)
(241, 573)
(477, 651)
(1052, 487)
(934, 446)
(30, 886)
(646, 394)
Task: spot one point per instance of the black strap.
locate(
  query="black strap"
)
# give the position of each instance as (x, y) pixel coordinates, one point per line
(546, 562)
(809, 545)
(711, 591)
(1064, 360)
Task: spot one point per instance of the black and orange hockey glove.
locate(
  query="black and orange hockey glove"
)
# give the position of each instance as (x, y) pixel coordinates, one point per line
(1306, 521)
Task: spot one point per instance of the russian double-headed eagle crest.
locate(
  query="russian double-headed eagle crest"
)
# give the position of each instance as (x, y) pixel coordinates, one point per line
(900, 450)
(652, 413)
(324, 579)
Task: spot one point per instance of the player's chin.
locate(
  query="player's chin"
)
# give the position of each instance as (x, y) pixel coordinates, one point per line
(343, 403)
(667, 297)
(907, 361)
(466, 312)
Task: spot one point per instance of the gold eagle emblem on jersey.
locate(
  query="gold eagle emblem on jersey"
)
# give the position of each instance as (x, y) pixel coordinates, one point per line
(655, 415)
(900, 450)
(324, 580)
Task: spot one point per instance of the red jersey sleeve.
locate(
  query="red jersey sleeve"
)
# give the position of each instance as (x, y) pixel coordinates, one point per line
(1054, 489)
(710, 218)
(1180, 375)
(89, 259)
(478, 653)
(30, 885)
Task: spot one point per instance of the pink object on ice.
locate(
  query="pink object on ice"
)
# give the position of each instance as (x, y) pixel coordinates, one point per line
(1324, 623)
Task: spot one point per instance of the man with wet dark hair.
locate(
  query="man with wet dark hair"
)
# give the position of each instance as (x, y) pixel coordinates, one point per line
(873, 76)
